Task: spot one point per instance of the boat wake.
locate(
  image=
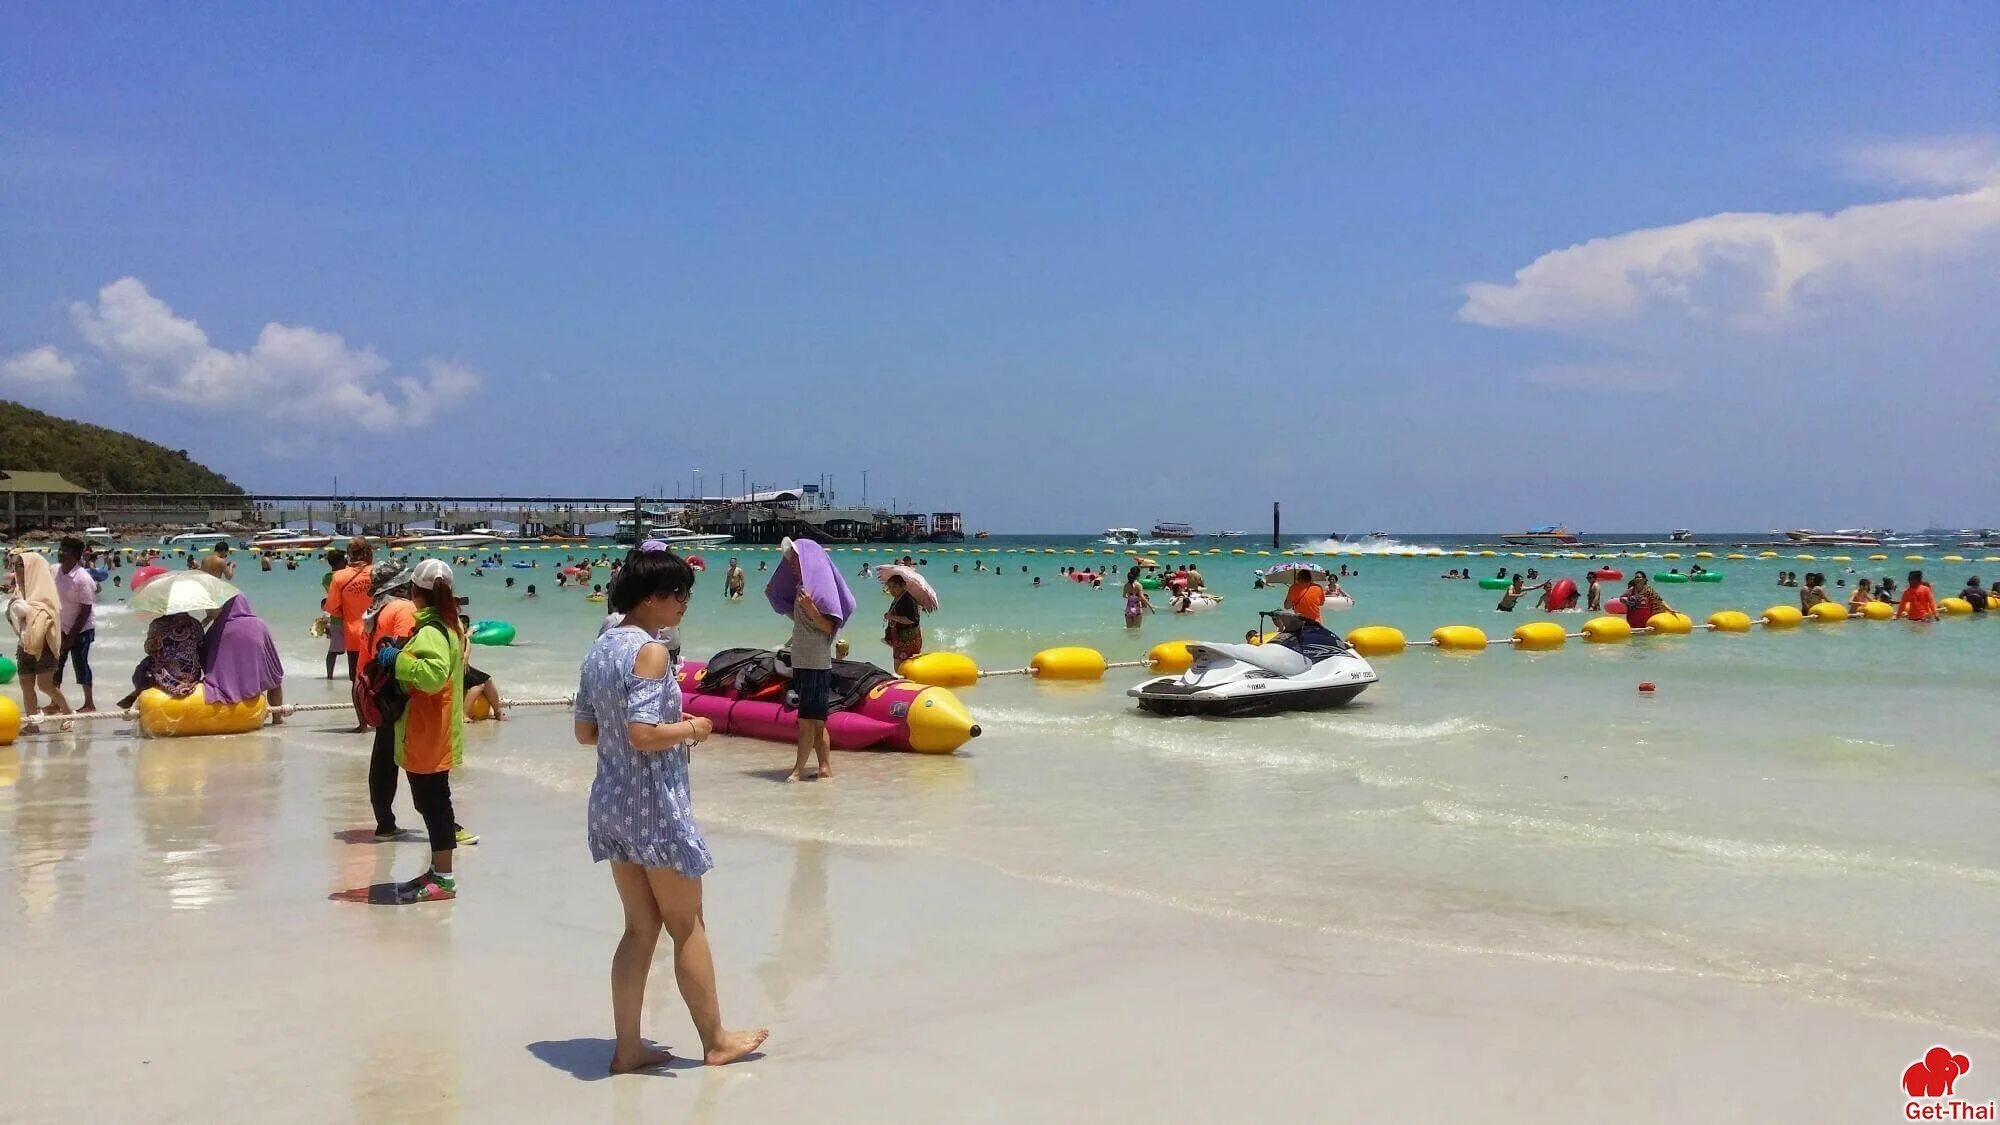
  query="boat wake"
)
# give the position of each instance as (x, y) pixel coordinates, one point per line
(1370, 546)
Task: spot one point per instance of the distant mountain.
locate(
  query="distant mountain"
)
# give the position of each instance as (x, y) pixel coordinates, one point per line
(99, 459)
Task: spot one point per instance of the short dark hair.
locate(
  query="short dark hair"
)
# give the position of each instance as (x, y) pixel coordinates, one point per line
(647, 573)
(72, 543)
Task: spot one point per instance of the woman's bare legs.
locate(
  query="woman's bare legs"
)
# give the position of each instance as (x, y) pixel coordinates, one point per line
(58, 705)
(679, 900)
(629, 967)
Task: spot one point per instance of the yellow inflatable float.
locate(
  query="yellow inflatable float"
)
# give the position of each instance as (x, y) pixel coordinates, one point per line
(163, 716)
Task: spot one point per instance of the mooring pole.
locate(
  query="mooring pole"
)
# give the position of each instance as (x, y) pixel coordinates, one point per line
(1274, 525)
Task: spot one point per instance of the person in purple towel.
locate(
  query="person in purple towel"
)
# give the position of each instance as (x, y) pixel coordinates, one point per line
(239, 660)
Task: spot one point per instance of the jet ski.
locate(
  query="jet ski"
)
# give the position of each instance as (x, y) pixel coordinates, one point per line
(1305, 668)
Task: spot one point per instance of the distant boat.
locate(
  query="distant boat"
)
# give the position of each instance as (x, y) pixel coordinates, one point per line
(671, 535)
(1124, 535)
(1549, 533)
(421, 537)
(289, 539)
(101, 536)
(1164, 530)
(200, 535)
(1682, 535)
(1845, 537)
(979, 535)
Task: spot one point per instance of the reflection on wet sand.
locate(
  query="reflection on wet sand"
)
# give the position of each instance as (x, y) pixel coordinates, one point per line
(204, 806)
(805, 938)
(50, 800)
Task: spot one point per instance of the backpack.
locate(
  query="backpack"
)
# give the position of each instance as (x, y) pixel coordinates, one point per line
(379, 697)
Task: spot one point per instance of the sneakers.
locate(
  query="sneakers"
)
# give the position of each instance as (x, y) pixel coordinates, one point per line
(428, 887)
(466, 836)
(382, 837)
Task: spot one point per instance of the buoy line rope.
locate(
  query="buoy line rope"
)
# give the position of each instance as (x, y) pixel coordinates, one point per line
(131, 714)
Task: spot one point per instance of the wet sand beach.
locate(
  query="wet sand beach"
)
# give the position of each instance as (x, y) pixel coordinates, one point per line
(173, 955)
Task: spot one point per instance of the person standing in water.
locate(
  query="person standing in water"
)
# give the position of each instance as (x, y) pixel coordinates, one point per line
(641, 813)
(76, 590)
(732, 582)
(809, 589)
(1306, 597)
(1918, 603)
(336, 634)
(904, 633)
(1137, 603)
(219, 564)
(1596, 594)
(36, 615)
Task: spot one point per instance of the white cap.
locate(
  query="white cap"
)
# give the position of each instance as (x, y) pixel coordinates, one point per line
(430, 571)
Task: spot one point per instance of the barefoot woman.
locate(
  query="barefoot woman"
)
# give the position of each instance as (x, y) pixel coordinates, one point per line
(641, 819)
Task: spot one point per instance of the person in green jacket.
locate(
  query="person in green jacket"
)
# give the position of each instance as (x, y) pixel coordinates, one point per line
(430, 733)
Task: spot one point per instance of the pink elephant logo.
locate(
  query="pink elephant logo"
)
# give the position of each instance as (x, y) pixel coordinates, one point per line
(1933, 1075)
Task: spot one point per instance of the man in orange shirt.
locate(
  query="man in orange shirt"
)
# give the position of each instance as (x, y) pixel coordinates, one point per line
(1918, 603)
(1305, 597)
(347, 598)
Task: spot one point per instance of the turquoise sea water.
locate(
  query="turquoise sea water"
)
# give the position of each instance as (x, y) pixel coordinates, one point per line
(1812, 808)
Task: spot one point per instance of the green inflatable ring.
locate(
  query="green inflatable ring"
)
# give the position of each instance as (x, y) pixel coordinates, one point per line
(1493, 583)
(1670, 576)
(1708, 576)
(1151, 584)
(6, 670)
(492, 633)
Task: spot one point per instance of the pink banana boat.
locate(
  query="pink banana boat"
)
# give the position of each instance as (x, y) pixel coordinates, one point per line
(892, 715)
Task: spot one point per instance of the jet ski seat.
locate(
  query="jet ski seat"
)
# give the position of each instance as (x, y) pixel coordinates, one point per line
(1275, 659)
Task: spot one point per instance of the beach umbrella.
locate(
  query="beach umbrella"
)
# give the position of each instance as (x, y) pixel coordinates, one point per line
(186, 591)
(920, 589)
(1284, 570)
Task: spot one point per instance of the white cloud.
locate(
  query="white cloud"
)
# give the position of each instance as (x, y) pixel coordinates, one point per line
(44, 368)
(291, 372)
(1759, 270)
(1611, 376)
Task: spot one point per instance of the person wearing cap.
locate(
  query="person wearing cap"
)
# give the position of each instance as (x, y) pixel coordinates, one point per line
(430, 733)
(391, 617)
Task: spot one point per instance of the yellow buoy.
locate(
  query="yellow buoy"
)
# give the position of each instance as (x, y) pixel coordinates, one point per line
(1729, 621)
(1606, 630)
(1913, 558)
(1878, 611)
(1376, 640)
(1488, 554)
(940, 669)
(1459, 638)
(163, 716)
(1767, 554)
(1806, 558)
(1704, 554)
(1068, 663)
(1993, 601)
(1782, 617)
(10, 720)
(1671, 555)
(1170, 657)
(1539, 636)
(1878, 558)
(1670, 624)
(1954, 606)
(1954, 558)
(1238, 551)
(1738, 555)
(1829, 611)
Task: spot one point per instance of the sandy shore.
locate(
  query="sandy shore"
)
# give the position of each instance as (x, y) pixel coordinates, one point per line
(171, 954)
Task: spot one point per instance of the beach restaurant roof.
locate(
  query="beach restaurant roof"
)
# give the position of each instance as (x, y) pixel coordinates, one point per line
(27, 480)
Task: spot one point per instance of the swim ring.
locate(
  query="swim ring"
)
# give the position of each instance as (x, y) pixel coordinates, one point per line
(524, 566)
(163, 716)
(492, 633)
(7, 670)
(100, 574)
(1706, 576)
(1615, 605)
(1670, 577)
(1562, 595)
(1607, 574)
(1150, 584)
(1493, 583)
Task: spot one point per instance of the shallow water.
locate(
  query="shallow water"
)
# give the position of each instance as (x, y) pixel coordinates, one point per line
(1809, 808)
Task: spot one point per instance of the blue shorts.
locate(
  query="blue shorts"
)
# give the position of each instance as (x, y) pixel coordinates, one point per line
(815, 688)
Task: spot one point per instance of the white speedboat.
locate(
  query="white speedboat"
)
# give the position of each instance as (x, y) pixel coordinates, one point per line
(200, 535)
(99, 536)
(1126, 536)
(1845, 537)
(422, 537)
(1168, 530)
(289, 539)
(1307, 669)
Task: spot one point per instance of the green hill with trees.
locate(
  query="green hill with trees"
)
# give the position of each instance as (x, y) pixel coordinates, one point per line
(99, 459)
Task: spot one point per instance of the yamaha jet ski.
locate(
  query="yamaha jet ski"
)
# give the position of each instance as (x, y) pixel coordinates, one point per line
(1306, 667)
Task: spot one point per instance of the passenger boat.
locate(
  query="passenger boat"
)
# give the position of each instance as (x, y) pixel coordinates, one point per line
(1164, 530)
(1553, 534)
(200, 535)
(1845, 537)
(422, 537)
(671, 535)
(289, 539)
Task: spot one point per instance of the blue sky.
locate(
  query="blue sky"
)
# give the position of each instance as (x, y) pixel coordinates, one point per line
(1058, 266)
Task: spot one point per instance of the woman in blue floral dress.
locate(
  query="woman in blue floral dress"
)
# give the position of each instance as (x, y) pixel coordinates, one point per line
(628, 705)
